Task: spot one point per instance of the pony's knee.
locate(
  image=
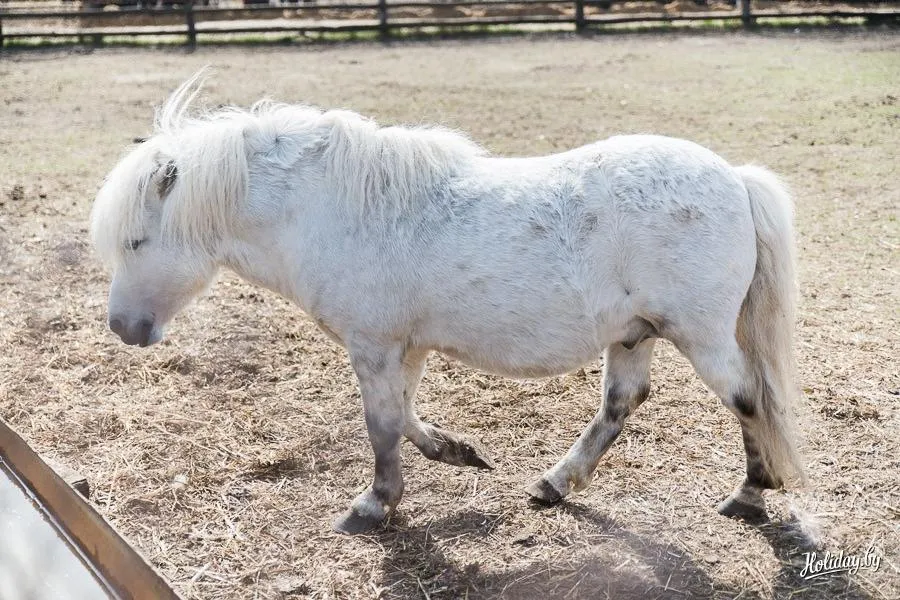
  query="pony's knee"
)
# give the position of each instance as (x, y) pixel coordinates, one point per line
(420, 434)
(385, 427)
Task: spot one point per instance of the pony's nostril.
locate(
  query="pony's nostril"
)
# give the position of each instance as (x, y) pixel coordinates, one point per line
(145, 328)
(117, 326)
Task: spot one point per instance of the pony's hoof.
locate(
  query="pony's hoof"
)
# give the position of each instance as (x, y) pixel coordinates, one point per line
(542, 491)
(472, 453)
(736, 508)
(354, 523)
(455, 449)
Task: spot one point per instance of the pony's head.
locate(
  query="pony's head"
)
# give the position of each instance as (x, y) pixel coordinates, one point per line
(179, 204)
(160, 216)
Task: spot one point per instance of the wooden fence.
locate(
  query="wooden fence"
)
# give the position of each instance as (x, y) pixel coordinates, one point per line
(94, 21)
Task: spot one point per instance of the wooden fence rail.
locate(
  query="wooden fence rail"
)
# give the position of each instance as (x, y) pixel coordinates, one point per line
(185, 18)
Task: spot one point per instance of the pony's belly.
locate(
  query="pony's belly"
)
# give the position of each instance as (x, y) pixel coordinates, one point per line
(525, 355)
(524, 324)
(521, 367)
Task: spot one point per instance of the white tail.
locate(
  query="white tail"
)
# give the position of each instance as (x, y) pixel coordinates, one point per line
(765, 328)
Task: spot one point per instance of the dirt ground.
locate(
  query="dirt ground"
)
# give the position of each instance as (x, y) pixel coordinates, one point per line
(225, 452)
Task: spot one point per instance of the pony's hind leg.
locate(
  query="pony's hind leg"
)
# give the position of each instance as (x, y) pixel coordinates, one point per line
(433, 442)
(724, 367)
(626, 384)
(747, 502)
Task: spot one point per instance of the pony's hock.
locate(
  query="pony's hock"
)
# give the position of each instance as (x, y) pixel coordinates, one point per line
(403, 241)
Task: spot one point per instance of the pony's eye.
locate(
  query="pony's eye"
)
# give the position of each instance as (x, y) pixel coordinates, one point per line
(134, 244)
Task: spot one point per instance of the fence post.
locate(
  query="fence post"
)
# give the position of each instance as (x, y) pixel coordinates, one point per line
(383, 18)
(746, 15)
(579, 15)
(191, 26)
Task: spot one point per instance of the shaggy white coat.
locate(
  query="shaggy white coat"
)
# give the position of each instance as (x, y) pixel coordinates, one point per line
(400, 241)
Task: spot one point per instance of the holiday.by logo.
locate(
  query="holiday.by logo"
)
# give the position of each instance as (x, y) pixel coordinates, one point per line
(828, 562)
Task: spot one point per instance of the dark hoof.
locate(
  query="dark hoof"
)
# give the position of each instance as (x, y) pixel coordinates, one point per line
(353, 523)
(471, 453)
(543, 492)
(737, 509)
(457, 450)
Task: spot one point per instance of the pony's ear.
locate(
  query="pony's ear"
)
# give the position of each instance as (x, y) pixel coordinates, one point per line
(314, 144)
(167, 180)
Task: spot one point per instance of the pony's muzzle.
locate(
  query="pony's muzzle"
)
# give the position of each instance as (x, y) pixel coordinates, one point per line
(139, 333)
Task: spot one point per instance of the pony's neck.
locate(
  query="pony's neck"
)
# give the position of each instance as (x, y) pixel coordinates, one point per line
(263, 262)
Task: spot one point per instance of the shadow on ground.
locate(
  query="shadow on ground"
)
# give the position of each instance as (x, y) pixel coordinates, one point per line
(790, 543)
(625, 565)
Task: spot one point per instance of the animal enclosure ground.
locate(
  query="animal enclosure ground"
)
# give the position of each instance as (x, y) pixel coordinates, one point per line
(225, 452)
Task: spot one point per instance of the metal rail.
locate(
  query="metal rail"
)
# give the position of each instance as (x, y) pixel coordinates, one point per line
(123, 571)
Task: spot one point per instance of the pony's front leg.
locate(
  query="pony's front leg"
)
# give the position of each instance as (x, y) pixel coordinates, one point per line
(380, 374)
(433, 442)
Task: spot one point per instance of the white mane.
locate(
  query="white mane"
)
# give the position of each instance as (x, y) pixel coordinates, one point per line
(381, 169)
(390, 168)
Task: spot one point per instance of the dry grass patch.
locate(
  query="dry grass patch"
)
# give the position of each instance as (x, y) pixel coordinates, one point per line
(225, 452)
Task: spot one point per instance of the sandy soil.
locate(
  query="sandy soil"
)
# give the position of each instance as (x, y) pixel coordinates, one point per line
(258, 412)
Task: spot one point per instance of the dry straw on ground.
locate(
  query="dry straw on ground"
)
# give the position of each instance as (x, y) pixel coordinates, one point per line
(225, 452)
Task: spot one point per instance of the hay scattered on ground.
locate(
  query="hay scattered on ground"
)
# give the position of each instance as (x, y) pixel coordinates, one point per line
(225, 452)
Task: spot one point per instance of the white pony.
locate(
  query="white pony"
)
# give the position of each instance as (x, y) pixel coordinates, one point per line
(403, 241)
